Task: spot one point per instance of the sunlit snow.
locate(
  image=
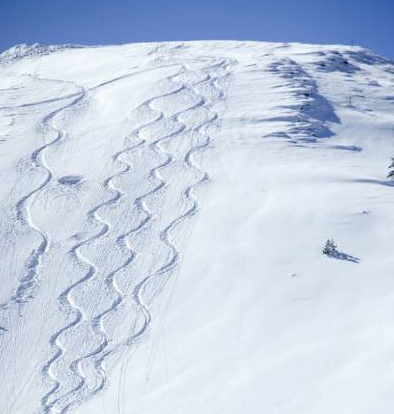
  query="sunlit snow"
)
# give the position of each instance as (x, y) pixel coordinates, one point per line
(164, 208)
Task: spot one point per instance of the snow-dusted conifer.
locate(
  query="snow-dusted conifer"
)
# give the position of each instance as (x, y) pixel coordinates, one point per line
(330, 247)
(391, 170)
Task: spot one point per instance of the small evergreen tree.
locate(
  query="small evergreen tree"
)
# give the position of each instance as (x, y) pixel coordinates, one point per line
(330, 247)
(391, 170)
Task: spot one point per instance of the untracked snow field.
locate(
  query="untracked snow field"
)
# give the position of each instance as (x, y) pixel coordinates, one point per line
(163, 210)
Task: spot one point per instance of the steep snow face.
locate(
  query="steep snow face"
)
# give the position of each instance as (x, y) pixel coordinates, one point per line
(163, 213)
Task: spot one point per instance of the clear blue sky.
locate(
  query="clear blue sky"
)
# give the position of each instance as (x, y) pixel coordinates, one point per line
(369, 23)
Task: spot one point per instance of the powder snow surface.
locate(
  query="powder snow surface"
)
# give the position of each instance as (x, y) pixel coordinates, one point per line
(163, 213)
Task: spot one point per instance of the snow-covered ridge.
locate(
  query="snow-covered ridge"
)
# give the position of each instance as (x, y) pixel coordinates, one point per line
(35, 50)
(223, 166)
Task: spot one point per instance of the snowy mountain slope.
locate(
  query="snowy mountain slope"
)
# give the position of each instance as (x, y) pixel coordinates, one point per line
(113, 287)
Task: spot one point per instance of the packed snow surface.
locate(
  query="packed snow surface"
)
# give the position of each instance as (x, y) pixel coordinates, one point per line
(163, 213)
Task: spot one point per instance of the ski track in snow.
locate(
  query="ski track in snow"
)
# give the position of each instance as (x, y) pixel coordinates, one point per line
(28, 283)
(66, 299)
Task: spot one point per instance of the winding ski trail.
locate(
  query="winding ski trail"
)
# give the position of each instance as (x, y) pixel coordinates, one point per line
(29, 281)
(101, 352)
